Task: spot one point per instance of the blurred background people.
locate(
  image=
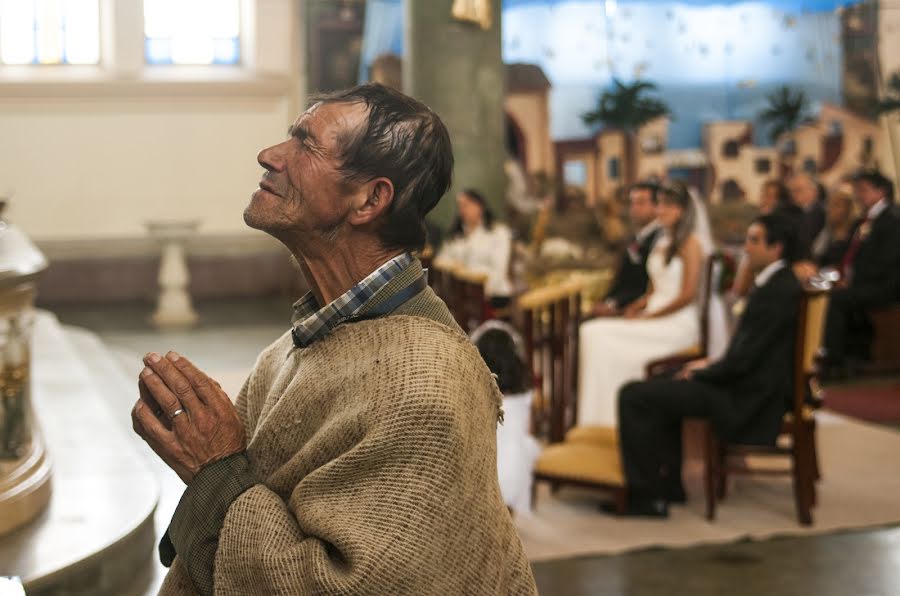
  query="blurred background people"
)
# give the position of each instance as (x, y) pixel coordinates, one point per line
(630, 281)
(665, 320)
(479, 243)
(503, 350)
(870, 272)
(830, 246)
(744, 394)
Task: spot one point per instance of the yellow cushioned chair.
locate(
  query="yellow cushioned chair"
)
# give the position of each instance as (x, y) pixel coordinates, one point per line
(588, 457)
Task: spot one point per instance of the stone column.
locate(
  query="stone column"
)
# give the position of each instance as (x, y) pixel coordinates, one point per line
(455, 68)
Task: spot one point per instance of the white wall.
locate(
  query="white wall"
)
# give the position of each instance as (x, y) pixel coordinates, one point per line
(95, 152)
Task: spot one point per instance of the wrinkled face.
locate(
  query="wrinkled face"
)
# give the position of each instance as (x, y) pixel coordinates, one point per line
(641, 209)
(803, 191)
(669, 212)
(470, 211)
(866, 194)
(838, 210)
(768, 201)
(302, 191)
(758, 252)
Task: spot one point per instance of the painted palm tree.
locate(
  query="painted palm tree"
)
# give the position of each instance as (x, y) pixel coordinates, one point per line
(891, 102)
(626, 106)
(787, 109)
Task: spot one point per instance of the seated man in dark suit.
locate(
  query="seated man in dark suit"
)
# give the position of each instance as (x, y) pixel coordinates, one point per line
(744, 394)
(630, 282)
(870, 271)
(806, 194)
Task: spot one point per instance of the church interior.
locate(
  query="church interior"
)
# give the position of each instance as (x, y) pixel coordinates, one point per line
(130, 133)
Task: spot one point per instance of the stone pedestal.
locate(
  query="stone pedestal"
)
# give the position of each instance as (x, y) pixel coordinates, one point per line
(174, 305)
(455, 68)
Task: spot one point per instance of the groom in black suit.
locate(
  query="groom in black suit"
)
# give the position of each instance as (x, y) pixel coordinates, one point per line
(630, 281)
(744, 394)
(870, 271)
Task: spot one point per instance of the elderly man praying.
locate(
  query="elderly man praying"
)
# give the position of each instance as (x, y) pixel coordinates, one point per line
(360, 456)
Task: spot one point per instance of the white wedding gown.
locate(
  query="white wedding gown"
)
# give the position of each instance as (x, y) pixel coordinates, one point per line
(614, 351)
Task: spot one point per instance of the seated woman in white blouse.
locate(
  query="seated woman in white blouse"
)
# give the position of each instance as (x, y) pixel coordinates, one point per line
(480, 244)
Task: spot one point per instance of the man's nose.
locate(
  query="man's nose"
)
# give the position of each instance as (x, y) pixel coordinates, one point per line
(271, 159)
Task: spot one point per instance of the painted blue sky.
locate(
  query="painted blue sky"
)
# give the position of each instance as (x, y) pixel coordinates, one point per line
(711, 60)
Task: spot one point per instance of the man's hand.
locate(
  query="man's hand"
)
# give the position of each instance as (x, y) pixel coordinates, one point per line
(804, 270)
(605, 310)
(185, 416)
(688, 370)
(634, 311)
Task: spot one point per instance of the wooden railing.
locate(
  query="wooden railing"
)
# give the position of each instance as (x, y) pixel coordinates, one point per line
(549, 318)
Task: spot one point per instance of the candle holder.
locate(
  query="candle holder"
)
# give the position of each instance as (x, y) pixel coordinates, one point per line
(15, 409)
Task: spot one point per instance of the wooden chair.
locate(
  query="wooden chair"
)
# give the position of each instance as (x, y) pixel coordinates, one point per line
(470, 302)
(798, 431)
(463, 292)
(580, 456)
(885, 348)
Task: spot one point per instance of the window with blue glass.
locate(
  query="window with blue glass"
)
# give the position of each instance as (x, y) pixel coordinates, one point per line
(49, 32)
(192, 31)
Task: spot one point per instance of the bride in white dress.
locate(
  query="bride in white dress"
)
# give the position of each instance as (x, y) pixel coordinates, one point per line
(614, 351)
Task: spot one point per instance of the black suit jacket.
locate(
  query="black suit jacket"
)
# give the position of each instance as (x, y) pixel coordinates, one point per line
(757, 369)
(809, 223)
(630, 282)
(876, 266)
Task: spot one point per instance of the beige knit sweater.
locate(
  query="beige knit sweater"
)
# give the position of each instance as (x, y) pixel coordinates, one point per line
(376, 450)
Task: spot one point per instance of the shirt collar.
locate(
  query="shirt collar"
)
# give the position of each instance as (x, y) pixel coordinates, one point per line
(312, 322)
(876, 209)
(647, 230)
(766, 274)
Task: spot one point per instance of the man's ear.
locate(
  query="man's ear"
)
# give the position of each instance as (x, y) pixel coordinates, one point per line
(377, 198)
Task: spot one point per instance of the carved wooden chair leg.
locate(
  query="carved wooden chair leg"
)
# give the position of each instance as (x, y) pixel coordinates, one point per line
(802, 475)
(722, 471)
(620, 497)
(711, 472)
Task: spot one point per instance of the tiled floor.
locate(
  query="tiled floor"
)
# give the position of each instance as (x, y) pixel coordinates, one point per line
(231, 334)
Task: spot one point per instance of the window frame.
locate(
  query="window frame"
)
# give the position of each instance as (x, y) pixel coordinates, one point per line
(63, 64)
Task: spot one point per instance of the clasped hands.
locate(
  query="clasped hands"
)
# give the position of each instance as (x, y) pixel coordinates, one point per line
(687, 371)
(185, 416)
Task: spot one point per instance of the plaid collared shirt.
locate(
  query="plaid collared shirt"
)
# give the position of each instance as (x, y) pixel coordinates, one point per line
(312, 322)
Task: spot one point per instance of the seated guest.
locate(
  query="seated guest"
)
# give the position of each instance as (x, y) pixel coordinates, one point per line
(806, 194)
(480, 244)
(830, 246)
(870, 271)
(744, 394)
(775, 198)
(503, 350)
(630, 281)
(664, 321)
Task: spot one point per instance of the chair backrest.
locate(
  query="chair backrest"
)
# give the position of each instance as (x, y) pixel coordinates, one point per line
(709, 285)
(808, 341)
(470, 300)
(463, 292)
(549, 319)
